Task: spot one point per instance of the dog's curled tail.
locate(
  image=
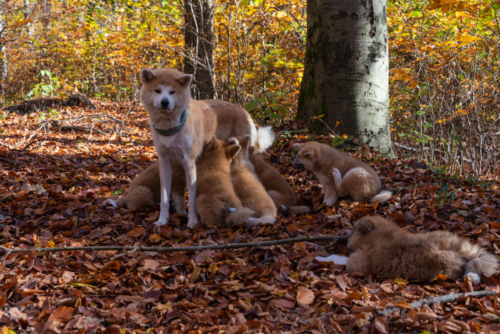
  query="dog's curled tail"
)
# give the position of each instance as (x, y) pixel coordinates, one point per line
(264, 139)
(296, 209)
(382, 196)
(237, 216)
(481, 263)
(117, 204)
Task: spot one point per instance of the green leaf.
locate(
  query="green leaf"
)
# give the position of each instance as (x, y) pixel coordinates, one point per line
(252, 104)
(337, 141)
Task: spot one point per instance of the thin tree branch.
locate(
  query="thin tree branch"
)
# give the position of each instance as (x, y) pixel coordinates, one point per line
(175, 249)
(434, 300)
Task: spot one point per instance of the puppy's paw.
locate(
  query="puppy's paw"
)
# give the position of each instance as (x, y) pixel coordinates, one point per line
(193, 221)
(161, 222)
(337, 177)
(476, 279)
(337, 259)
(253, 222)
(109, 202)
(330, 201)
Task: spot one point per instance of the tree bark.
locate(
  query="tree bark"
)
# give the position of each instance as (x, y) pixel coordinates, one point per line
(199, 47)
(346, 73)
(27, 15)
(3, 50)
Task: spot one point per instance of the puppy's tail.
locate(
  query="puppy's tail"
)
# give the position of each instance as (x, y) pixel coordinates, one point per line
(382, 196)
(296, 209)
(237, 216)
(117, 204)
(482, 262)
(263, 138)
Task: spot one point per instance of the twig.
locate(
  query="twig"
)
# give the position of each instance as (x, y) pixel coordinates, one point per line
(176, 249)
(123, 254)
(434, 300)
(220, 234)
(8, 161)
(425, 149)
(5, 256)
(5, 145)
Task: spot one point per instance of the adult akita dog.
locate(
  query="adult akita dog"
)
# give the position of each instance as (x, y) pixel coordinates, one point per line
(183, 127)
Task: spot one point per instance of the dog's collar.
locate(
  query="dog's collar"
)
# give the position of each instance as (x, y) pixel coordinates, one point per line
(175, 129)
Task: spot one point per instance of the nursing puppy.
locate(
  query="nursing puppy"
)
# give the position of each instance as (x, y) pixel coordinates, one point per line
(248, 187)
(340, 174)
(381, 247)
(276, 186)
(182, 127)
(216, 200)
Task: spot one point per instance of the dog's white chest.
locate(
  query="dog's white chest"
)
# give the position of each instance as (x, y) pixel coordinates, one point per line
(177, 147)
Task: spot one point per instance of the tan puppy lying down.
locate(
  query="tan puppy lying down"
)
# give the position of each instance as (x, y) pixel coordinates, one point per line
(144, 190)
(379, 246)
(275, 184)
(216, 200)
(248, 186)
(340, 174)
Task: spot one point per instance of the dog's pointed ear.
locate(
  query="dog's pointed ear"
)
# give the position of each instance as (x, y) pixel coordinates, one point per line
(232, 151)
(245, 141)
(233, 141)
(307, 152)
(147, 76)
(365, 225)
(214, 144)
(251, 149)
(184, 80)
(297, 145)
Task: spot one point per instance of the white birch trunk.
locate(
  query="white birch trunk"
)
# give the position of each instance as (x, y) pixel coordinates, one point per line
(346, 74)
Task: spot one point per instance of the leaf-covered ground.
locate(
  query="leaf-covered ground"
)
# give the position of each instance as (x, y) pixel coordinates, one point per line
(51, 187)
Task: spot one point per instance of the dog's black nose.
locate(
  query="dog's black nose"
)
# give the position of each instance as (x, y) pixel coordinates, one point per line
(164, 103)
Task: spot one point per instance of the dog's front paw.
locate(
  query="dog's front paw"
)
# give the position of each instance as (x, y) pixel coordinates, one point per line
(476, 279)
(330, 201)
(192, 222)
(161, 222)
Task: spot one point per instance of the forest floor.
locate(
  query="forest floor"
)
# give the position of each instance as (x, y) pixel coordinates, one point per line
(54, 173)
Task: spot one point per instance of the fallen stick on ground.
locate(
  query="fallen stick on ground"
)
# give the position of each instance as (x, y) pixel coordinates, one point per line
(5, 250)
(433, 300)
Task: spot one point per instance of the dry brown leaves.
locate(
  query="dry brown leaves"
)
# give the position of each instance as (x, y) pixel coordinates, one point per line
(51, 197)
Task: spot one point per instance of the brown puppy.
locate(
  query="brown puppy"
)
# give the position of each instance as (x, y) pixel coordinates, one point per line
(379, 246)
(340, 174)
(248, 187)
(216, 200)
(144, 190)
(182, 127)
(275, 184)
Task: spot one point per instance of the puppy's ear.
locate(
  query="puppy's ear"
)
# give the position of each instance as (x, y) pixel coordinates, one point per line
(232, 151)
(365, 225)
(233, 141)
(184, 80)
(251, 149)
(147, 76)
(245, 141)
(307, 152)
(214, 144)
(297, 145)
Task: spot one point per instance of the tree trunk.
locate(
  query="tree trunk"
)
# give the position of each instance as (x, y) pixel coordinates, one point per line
(3, 50)
(27, 16)
(346, 74)
(199, 47)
